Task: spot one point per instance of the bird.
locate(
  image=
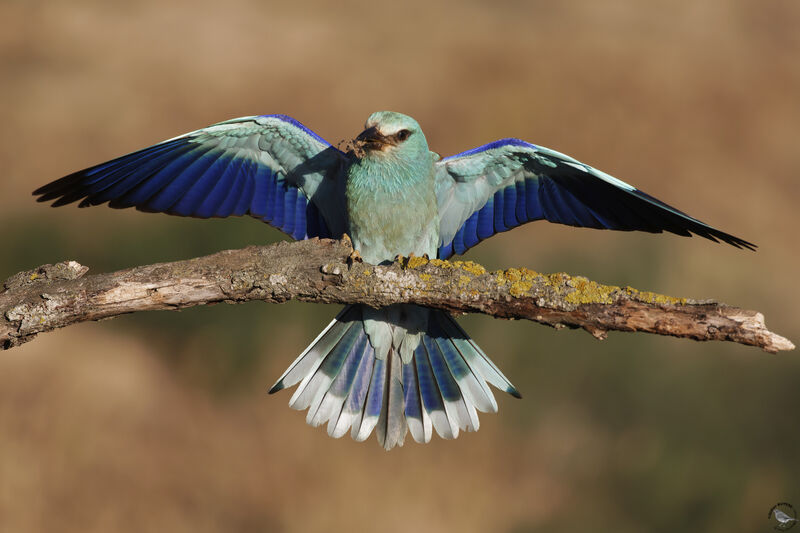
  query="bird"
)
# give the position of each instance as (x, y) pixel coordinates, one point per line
(404, 368)
(784, 520)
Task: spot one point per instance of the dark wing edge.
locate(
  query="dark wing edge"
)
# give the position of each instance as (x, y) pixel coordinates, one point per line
(224, 170)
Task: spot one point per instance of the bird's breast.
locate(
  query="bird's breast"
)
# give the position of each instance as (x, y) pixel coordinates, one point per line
(389, 216)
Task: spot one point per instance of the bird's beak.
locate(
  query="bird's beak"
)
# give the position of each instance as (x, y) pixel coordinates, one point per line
(372, 139)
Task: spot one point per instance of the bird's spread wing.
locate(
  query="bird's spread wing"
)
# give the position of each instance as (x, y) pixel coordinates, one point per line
(501, 185)
(270, 167)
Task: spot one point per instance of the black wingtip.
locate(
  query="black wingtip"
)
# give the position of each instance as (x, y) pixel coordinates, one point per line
(735, 241)
(64, 200)
(45, 194)
(749, 245)
(514, 392)
(60, 190)
(275, 388)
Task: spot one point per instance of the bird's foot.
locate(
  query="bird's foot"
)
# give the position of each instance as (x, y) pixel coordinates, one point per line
(347, 240)
(412, 260)
(354, 257)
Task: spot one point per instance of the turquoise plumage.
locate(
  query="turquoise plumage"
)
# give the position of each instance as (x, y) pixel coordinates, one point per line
(401, 369)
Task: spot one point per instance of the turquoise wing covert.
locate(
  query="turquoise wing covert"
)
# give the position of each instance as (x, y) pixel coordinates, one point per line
(270, 167)
(498, 186)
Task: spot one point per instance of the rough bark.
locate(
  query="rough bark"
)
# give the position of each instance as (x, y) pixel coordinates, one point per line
(54, 296)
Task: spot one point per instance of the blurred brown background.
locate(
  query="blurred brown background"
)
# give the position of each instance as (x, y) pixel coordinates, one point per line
(161, 422)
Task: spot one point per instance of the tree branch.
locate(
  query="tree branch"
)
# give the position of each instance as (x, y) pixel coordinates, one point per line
(55, 296)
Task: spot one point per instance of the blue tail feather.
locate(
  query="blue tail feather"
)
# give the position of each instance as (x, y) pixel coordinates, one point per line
(474, 356)
(329, 370)
(441, 388)
(374, 401)
(454, 407)
(354, 405)
(413, 403)
(432, 399)
(342, 386)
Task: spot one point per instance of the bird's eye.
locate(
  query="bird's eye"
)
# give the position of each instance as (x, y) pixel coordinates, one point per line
(402, 135)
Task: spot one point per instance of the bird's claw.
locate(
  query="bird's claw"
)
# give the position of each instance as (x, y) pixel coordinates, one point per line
(354, 257)
(400, 258)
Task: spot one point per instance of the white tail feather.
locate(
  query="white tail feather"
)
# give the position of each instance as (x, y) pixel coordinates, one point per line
(438, 386)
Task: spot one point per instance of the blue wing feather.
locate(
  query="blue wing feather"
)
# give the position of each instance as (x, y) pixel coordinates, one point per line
(315, 223)
(521, 208)
(533, 209)
(470, 230)
(499, 208)
(510, 207)
(201, 180)
(555, 206)
(248, 190)
(219, 171)
(510, 182)
(300, 227)
(148, 188)
(458, 242)
(138, 157)
(262, 185)
(222, 184)
(278, 202)
(121, 179)
(446, 250)
(289, 202)
(177, 188)
(230, 200)
(486, 220)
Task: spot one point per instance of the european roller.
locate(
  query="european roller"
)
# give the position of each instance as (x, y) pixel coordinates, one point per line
(401, 369)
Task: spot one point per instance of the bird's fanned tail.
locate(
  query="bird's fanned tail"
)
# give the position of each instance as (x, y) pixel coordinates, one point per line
(441, 388)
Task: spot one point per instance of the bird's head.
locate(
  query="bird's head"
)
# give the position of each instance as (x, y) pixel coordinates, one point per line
(387, 133)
